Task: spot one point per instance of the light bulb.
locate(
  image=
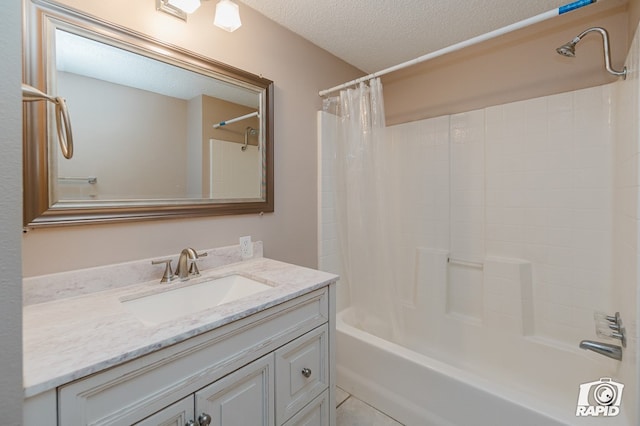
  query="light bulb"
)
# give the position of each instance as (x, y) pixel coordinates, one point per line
(227, 16)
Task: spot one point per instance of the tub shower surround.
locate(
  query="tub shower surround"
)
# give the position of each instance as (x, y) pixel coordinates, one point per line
(506, 245)
(506, 190)
(76, 331)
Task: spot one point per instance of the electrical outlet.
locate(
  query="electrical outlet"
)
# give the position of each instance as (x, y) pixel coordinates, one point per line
(246, 248)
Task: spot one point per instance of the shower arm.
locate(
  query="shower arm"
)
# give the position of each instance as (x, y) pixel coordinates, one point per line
(246, 138)
(607, 50)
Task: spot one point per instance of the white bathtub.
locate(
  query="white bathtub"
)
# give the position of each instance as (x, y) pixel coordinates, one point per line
(510, 382)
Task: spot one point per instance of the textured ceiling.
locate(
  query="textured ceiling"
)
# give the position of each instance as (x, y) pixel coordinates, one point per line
(375, 34)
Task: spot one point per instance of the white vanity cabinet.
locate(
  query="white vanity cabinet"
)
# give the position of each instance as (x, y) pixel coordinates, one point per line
(271, 368)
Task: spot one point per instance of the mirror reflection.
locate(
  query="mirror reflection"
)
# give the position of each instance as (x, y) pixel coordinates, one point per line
(144, 129)
(159, 131)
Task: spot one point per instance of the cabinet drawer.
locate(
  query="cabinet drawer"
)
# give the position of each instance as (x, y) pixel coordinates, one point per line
(316, 413)
(135, 390)
(177, 414)
(302, 369)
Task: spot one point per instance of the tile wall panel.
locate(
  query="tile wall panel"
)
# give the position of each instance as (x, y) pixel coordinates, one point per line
(531, 180)
(549, 201)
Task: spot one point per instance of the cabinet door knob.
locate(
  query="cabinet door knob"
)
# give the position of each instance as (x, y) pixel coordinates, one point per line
(204, 419)
(306, 372)
(190, 423)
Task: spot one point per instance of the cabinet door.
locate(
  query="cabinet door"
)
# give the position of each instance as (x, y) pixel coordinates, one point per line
(243, 398)
(177, 414)
(316, 413)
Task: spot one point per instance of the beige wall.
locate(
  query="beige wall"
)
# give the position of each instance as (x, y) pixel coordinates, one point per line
(634, 17)
(112, 119)
(10, 217)
(195, 145)
(517, 66)
(299, 70)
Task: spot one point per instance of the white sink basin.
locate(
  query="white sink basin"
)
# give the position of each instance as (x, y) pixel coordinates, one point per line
(172, 304)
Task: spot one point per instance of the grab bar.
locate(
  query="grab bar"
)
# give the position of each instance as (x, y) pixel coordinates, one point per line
(463, 262)
(89, 179)
(233, 120)
(63, 123)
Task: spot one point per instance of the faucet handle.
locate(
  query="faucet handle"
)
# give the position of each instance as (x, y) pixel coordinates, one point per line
(168, 275)
(193, 268)
(603, 318)
(610, 326)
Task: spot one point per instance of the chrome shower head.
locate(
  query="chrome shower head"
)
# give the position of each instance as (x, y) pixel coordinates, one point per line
(569, 50)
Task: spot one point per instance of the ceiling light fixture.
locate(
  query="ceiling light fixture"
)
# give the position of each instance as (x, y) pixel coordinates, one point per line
(178, 8)
(227, 16)
(227, 12)
(188, 6)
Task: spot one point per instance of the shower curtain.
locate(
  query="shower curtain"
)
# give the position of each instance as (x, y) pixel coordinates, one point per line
(363, 207)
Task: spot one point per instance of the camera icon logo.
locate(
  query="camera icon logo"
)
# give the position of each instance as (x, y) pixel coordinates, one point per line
(600, 398)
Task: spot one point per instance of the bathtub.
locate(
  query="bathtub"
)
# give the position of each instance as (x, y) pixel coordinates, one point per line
(524, 381)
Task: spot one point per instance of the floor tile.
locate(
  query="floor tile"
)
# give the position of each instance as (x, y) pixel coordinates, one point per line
(354, 412)
(341, 396)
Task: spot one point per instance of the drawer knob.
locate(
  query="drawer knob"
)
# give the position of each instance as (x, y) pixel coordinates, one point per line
(306, 372)
(204, 419)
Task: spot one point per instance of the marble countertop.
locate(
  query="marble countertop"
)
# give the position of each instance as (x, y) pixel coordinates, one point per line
(70, 338)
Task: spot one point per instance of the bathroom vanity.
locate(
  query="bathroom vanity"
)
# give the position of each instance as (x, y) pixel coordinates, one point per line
(262, 359)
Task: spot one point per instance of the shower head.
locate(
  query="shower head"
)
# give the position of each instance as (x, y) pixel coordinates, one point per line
(248, 131)
(569, 49)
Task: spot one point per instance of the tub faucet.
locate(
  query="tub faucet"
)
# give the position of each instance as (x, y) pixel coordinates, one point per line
(183, 271)
(611, 351)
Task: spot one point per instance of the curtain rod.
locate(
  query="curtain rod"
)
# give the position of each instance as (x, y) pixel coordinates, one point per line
(475, 40)
(233, 120)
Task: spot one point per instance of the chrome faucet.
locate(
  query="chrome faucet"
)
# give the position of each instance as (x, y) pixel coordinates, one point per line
(184, 270)
(606, 349)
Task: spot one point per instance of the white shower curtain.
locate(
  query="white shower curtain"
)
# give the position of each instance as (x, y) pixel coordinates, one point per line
(363, 207)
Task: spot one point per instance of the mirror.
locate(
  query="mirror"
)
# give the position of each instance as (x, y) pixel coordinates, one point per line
(159, 131)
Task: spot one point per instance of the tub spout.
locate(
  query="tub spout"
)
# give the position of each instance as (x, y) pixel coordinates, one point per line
(611, 351)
